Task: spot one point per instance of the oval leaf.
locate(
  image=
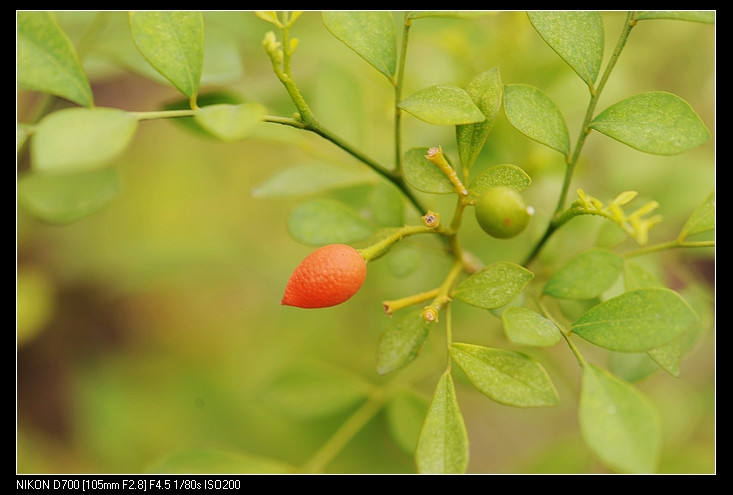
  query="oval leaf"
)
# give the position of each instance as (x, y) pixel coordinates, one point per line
(65, 198)
(309, 179)
(79, 139)
(655, 122)
(443, 444)
(370, 34)
(486, 92)
(585, 276)
(327, 221)
(702, 219)
(500, 175)
(706, 16)
(637, 277)
(173, 43)
(526, 327)
(618, 423)
(576, 36)
(203, 100)
(442, 105)
(535, 115)
(405, 413)
(423, 175)
(47, 60)
(211, 461)
(638, 320)
(494, 286)
(401, 342)
(230, 122)
(508, 377)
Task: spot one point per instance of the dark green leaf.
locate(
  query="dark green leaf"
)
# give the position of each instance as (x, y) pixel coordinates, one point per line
(442, 105)
(500, 175)
(327, 221)
(211, 461)
(585, 276)
(535, 115)
(526, 327)
(702, 219)
(494, 286)
(401, 342)
(486, 92)
(423, 175)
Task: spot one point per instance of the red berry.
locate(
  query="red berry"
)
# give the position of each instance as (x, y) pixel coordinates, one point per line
(328, 276)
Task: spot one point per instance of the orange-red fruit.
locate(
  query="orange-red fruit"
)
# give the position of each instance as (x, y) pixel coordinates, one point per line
(328, 276)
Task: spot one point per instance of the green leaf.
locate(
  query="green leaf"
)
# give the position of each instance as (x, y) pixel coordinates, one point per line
(486, 92)
(401, 342)
(508, 377)
(500, 175)
(460, 14)
(327, 221)
(309, 179)
(632, 366)
(494, 286)
(211, 461)
(637, 277)
(65, 198)
(619, 423)
(231, 122)
(535, 115)
(442, 105)
(637, 320)
(47, 60)
(203, 100)
(706, 16)
(405, 413)
(702, 219)
(576, 36)
(423, 175)
(387, 205)
(371, 34)
(173, 43)
(77, 139)
(526, 327)
(310, 390)
(443, 444)
(585, 276)
(404, 260)
(655, 122)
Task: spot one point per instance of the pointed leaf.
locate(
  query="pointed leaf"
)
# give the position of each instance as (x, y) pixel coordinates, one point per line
(401, 342)
(443, 444)
(619, 423)
(442, 105)
(637, 320)
(173, 43)
(494, 286)
(535, 115)
(231, 122)
(655, 122)
(211, 461)
(47, 60)
(77, 139)
(65, 198)
(526, 327)
(371, 34)
(486, 92)
(309, 179)
(576, 36)
(585, 276)
(500, 175)
(327, 221)
(508, 377)
(423, 175)
(702, 219)
(706, 16)
(405, 413)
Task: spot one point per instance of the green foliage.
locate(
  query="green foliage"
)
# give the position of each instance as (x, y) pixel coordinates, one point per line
(533, 114)
(443, 105)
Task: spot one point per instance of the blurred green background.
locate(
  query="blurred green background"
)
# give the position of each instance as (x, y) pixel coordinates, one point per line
(154, 326)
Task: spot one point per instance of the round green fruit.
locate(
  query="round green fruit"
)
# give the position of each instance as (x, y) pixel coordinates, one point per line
(502, 212)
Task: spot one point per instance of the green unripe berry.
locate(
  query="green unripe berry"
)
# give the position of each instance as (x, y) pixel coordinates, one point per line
(502, 212)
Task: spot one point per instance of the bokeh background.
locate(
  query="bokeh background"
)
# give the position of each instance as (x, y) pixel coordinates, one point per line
(154, 326)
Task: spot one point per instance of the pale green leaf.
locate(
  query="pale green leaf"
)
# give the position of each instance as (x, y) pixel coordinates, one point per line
(585, 276)
(401, 342)
(423, 175)
(77, 139)
(500, 175)
(702, 219)
(65, 198)
(494, 286)
(442, 105)
(655, 122)
(619, 423)
(486, 92)
(309, 179)
(632, 366)
(404, 261)
(443, 444)
(387, 205)
(327, 221)
(508, 377)
(47, 60)
(536, 116)
(371, 34)
(212, 461)
(637, 277)
(706, 16)
(230, 122)
(203, 100)
(576, 36)
(173, 43)
(526, 327)
(405, 414)
(21, 137)
(638, 320)
(458, 14)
